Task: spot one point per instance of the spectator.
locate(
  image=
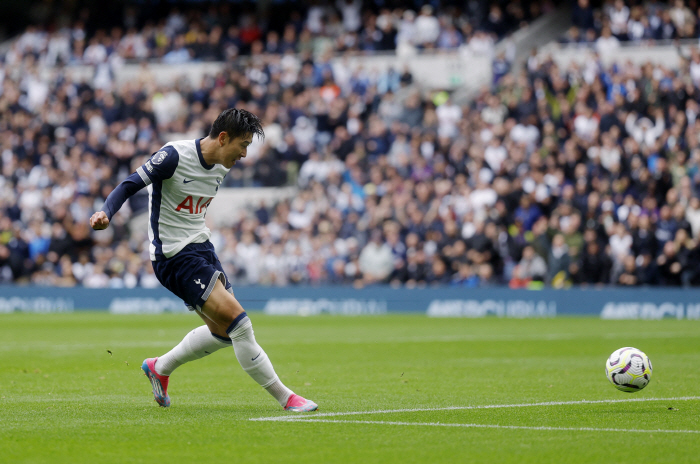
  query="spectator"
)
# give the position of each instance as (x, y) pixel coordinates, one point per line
(527, 212)
(448, 114)
(97, 278)
(350, 11)
(558, 260)
(427, 28)
(532, 267)
(582, 15)
(683, 18)
(669, 265)
(465, 277)
(620, 244)
(437, 274)
(179, 54)
(376, 260)
(595, 265)
(619, 16)
(629, 274)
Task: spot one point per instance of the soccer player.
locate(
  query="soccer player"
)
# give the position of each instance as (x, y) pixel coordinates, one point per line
(182, 178)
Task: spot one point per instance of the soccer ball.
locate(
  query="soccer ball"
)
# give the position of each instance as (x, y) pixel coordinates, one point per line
(628, 369)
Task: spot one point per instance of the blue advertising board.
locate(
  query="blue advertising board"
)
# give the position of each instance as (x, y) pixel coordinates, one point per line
(607, 303)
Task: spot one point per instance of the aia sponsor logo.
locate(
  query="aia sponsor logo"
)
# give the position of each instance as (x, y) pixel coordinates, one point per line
(188, 204)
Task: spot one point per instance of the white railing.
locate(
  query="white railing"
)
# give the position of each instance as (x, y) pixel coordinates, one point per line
(664, 53)
(431, 70)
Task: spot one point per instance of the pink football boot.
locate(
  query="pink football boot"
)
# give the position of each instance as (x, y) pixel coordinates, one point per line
(159, 382)
(298, 404)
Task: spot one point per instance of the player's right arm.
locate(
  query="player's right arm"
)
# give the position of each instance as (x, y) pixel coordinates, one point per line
(115, 200)
(161, 166)
(99, 221)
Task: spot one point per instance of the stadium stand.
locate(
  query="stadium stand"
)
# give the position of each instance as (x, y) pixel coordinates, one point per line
(577, 175)
(618, 21)
(210, 34)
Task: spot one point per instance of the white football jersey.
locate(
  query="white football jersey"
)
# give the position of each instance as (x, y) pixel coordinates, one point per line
(180, 187)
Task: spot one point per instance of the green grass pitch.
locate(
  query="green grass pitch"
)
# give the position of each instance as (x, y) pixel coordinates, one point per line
(65, 398)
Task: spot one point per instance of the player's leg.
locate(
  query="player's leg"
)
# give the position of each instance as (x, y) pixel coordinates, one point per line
(183, 275)
(223, 310)
(197, 344)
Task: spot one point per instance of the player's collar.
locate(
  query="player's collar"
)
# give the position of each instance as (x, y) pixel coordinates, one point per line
(204, 164)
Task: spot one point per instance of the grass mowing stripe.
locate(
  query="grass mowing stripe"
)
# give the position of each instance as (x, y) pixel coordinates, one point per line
(463, 408)
(86, 346)
(493, 426)
(423, 339)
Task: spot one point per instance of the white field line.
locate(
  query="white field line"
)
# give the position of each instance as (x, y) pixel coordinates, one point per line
(463, 408)
(490, 426)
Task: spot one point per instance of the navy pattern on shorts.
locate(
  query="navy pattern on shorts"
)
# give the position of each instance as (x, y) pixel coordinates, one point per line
(192, 273)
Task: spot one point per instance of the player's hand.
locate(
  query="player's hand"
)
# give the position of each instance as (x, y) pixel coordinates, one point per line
(99, 221)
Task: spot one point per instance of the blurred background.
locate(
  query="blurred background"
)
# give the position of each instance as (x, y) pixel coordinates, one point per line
(460, 144)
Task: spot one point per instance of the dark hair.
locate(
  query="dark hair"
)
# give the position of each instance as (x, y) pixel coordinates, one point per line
(236, 123)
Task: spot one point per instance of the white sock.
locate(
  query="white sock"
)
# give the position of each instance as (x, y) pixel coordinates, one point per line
(196, 345)
(254, 360)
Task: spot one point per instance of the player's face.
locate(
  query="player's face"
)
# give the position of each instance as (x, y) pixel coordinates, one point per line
(236, 149)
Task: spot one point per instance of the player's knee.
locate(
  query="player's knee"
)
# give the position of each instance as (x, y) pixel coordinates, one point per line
(232, 310)
(239, 326)
(220, 334)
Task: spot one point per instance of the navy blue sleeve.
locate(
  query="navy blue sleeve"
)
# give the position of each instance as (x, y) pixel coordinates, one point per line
(119, 195)
(161, 166)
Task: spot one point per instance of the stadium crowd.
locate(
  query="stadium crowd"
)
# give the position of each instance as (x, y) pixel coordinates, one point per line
(585, 175)
(620, 21)
(217, 33)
